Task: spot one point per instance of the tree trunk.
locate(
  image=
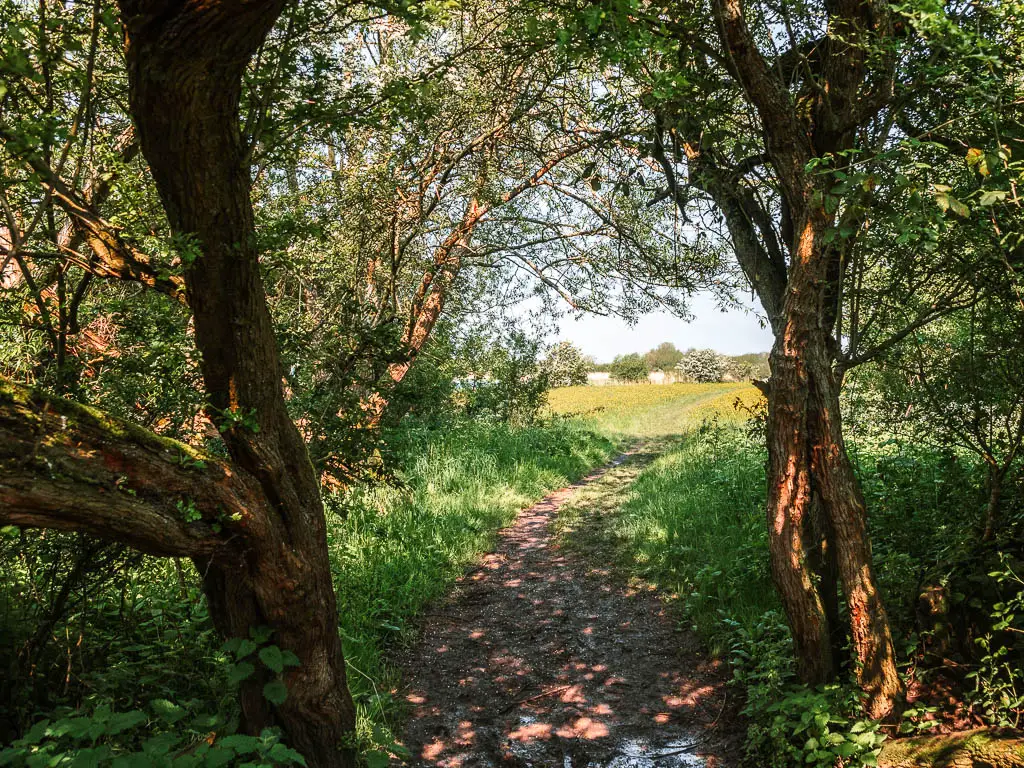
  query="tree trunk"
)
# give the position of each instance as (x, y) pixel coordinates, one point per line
(185, 66)
(791, 497)
(807, 456)
(821, 558)
(318, 716)
(995, 501)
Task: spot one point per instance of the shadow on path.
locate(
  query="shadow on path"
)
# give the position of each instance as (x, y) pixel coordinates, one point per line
(539, 658)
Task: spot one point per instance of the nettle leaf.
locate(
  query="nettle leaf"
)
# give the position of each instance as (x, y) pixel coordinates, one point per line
(167, 711)
(36, 733)
(260, 634)
(241, 671)
(215, 758)
(285, 755)
(272, 658)
(91, 758)
(245, 647)
(240, 743)
(137, 760)
(76, 727)
(275, 692)
(125, 720)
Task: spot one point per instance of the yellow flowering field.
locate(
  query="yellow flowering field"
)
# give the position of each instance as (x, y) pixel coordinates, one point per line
(652, 409)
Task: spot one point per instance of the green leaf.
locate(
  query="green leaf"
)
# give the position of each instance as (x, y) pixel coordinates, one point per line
(167, 711)
(76, 727)
(122, 721)
(90, 758)
(959, 208)
(215, 758)
(36, 733)
(286, 755)
(272, 658)
(275, 692)
(245, 647)
(992, 196)
(260, 634)
(377, 759)
(136, 760)
(241, 671)
(847, 749)
(240, 743)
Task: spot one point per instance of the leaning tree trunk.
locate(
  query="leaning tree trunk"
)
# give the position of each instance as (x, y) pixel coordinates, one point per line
(808, 458)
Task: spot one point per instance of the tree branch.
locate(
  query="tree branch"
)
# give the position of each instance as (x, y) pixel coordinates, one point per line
(115, 258)
(67, 466)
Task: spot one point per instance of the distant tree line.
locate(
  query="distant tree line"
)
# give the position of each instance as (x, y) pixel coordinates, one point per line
(703, 365)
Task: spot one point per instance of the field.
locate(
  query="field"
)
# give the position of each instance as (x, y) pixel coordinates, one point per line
(650, 410)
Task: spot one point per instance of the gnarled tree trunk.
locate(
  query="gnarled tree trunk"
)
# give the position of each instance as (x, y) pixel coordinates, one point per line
(185, 67)
(269, 566)
(809, 468)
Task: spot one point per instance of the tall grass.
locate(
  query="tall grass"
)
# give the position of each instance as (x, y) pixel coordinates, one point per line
(145, 634)
(693, 523)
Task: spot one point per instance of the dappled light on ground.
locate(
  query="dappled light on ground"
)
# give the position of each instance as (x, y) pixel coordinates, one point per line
(541, 659)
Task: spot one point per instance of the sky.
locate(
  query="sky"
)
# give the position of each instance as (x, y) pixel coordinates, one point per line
(732, 333)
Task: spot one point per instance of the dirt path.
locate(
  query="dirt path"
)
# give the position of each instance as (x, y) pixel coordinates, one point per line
(539, 658)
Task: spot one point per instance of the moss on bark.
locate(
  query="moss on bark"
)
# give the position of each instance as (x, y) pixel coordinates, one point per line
(981, 748)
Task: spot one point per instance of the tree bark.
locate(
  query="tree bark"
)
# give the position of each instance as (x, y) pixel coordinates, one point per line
(994, 502)
(74, 468)
(185, 66)
(807, 456)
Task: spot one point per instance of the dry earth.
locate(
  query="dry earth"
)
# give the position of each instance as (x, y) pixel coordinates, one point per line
(540, 658)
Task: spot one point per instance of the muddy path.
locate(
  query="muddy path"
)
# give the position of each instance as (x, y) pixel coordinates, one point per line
(543, 657)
